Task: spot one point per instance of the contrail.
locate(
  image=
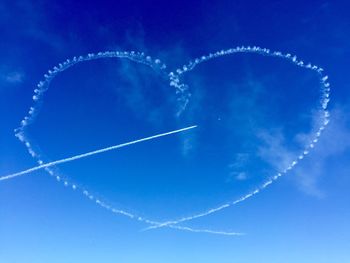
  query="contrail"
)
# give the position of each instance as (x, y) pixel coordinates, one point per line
(208, 231)
(80, 156)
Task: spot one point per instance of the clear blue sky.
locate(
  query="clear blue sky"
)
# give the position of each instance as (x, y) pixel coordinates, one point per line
(254, 114)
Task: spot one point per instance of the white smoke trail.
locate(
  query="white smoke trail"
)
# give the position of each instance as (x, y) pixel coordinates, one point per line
(151, 222)
(325, 94)
(80, 156)
(184, 96)
(208, 231)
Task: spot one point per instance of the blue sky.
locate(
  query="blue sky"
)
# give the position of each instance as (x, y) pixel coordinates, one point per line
(254, 115)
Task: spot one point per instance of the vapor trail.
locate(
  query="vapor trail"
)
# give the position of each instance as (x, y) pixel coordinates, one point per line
(80, 156)
(208, 231)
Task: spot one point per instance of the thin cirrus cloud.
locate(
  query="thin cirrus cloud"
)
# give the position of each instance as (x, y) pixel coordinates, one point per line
(11, 77)
(308, 174)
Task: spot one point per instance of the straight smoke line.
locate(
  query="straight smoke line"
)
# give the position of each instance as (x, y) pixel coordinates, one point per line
(80, 156)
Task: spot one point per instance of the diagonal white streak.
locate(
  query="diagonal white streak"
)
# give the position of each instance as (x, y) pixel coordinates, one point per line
(208, 231)
(80, 156)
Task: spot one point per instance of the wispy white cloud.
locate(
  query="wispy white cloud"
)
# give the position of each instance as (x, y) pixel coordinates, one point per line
(237, 167)
(241, 176)
(14, 77)
(11, 77)
(273, 149)
(334, 142)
